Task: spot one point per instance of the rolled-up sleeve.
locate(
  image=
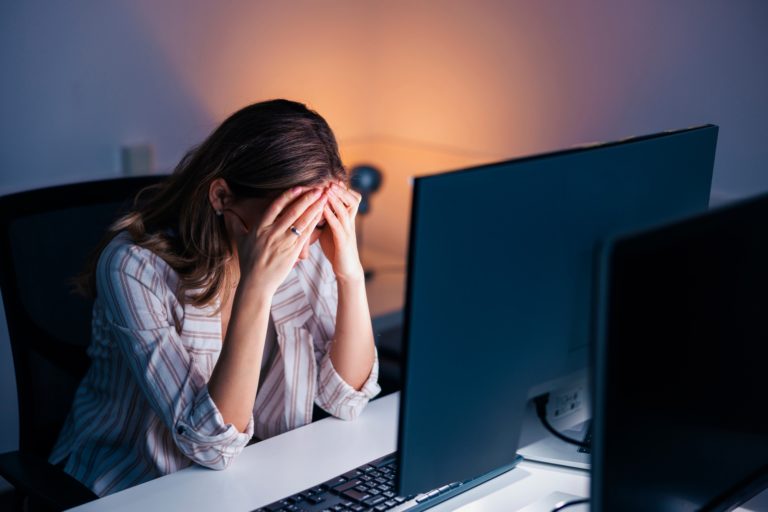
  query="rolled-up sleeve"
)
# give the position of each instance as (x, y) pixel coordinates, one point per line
(139, 306)
(334, 394)
(340, 399)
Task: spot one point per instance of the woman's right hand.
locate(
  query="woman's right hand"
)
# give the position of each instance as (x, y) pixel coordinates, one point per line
(267, 254)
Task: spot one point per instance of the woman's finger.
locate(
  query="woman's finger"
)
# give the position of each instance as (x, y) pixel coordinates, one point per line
(335, 224)
(339, 209)
(303, 223)
(291, 214)
(349, 197)
(279, 204)
(305, 234)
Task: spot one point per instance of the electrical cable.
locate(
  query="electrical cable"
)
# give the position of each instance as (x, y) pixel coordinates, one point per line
(541, 411)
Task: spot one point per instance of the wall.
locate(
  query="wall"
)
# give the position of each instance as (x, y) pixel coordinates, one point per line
(497, 78)
(413, 86)
(83, 78)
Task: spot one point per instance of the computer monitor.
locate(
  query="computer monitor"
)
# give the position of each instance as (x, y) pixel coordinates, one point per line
(680, 420)
(499, 290)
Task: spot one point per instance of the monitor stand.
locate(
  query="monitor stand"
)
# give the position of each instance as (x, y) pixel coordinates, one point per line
(551, 450)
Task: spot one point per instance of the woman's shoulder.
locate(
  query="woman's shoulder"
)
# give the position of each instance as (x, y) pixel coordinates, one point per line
(123, 257)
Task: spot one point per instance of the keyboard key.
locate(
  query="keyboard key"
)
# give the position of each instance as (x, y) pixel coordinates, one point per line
(421, 498)
(399, 499)
(352, 474)
(444, 488)
(278, 505)
(362, 488)
(374, 492)
(432, 493)
(380, 508)
(334, 482)
(390, 503)
(390, 494)
(357, 507)
(384, 487)
(347, 485)
(390, 459)
(372, 502)
(355, 495)
(316, 499)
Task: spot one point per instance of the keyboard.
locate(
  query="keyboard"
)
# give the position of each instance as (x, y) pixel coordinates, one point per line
(370, 487)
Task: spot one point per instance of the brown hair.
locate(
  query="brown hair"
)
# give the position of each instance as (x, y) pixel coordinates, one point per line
(260, 151)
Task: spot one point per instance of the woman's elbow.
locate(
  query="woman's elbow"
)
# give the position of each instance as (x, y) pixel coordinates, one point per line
(217, 461)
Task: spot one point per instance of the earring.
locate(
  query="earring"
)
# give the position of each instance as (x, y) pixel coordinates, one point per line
(218, 213)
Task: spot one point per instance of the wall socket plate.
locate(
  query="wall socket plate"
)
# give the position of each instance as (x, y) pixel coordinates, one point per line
(566, 401)
(137, 160)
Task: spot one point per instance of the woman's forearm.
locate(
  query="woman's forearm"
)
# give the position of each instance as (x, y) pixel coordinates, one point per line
(235, 378)
(352, 351)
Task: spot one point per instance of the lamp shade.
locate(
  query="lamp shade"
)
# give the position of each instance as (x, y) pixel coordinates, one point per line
(366, 179)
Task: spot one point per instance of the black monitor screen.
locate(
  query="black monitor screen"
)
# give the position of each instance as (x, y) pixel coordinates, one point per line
(681, 421)
(500, 286)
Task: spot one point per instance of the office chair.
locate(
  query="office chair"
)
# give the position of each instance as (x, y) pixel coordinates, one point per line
(46, 236)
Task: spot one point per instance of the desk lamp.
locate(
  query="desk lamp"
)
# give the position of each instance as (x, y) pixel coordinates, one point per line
(365, 179)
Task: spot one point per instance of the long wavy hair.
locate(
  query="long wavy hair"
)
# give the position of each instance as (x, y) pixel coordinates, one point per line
(260, 151)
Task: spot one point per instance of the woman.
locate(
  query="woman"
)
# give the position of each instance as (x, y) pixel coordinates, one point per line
(217, 316)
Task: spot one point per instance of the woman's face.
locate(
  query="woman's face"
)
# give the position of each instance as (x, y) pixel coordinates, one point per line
(251, 210)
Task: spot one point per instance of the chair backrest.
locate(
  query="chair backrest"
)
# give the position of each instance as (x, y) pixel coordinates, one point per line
(46, 236)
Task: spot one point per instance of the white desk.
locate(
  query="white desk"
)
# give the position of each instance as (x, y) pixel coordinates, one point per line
(291, 462)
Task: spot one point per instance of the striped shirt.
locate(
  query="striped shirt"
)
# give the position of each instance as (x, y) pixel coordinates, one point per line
(143, 409)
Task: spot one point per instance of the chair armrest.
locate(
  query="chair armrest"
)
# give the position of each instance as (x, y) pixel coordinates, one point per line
(35, 477)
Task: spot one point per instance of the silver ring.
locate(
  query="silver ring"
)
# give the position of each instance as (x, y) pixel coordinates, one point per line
(295, 231)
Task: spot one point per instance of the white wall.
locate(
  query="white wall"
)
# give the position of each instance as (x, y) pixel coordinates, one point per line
(415, 86)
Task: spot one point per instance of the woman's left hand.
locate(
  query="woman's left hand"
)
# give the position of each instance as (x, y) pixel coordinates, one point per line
(339, 243)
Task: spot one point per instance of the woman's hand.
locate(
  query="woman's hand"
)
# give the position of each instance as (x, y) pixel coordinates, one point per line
(267, 254)
(340, 242)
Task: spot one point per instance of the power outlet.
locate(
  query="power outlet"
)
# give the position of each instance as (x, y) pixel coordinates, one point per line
(137, 160)
(565, 402)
